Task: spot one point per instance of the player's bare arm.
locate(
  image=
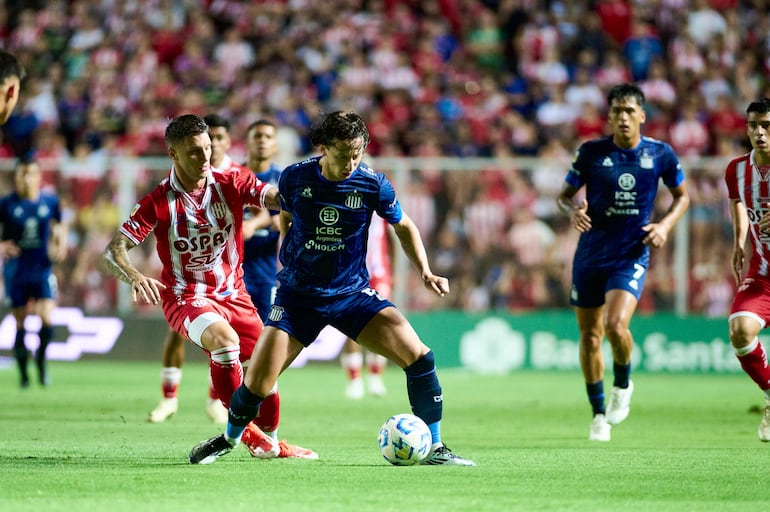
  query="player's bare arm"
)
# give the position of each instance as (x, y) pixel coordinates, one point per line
(58, 246)
(118, 263)
(740, 230)
(8, 249)
(578, 212)
(411, 242)
(284, 223)
(271, 198)
(261, 219)
(657, 232)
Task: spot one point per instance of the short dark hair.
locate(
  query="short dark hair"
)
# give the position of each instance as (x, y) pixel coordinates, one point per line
(626, 91)
(760, 106)
(184, 126)
(260, 122)
(337, 126)
(217, 121)
(28, 158)
(10, 66)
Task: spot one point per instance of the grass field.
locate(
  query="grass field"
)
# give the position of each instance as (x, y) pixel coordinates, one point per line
(84, 445)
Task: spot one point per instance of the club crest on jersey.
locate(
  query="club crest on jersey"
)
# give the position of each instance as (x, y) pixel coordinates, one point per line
(645, 161)
(219, 210)
(354, 200)
(328, 215)
(626, 181)
(276, 313)
(307, 193)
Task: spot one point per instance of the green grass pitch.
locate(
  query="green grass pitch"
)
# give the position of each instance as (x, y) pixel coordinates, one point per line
(84, 444)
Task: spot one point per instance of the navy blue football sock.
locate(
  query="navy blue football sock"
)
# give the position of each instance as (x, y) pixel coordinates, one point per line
(244, 406)
(21, 354)
(424, 389)
(595, 392)
(46, 334)
(622, 373)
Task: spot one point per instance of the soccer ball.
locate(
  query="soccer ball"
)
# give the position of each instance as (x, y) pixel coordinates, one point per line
(404, 440)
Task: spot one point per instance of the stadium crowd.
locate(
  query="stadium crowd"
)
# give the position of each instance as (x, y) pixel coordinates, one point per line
(471, 78)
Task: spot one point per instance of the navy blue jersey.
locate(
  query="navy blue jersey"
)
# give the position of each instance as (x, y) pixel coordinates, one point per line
(621, 185)
(260, 251)
(28, 224)
(324, 252)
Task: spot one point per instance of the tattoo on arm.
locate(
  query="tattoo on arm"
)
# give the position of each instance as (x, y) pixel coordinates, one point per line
(116, 259)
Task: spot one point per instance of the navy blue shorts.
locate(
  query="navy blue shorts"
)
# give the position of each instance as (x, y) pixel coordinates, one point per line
(303, 316)
(590, 284)
(262, 297)
(24, 287)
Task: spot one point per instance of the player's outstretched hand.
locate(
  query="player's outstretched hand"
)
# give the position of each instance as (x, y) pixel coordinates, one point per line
(438, 284)
(146, 288)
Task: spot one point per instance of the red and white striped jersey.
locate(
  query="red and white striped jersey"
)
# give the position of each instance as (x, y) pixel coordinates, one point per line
(378, 252)
(751, 185)
(199, 237)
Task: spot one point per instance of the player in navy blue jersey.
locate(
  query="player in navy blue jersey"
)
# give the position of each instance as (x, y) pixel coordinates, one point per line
(261, 229)
(33, 238)
(327, 204)
(620, 174)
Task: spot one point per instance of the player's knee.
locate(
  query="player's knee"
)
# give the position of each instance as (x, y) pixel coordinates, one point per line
(741, 335)
(591, 342)
(615, 328)
(219, 335)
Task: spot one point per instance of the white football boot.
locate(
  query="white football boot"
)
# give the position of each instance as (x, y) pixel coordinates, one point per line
(619, 404)
(166, 408)
(600, 429)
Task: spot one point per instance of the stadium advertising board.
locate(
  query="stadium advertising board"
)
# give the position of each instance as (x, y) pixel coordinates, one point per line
(483, 343)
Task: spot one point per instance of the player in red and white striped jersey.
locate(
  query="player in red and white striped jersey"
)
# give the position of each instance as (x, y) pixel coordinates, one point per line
(196, 215)
(174, 343)
(378, 263)
(748, 187)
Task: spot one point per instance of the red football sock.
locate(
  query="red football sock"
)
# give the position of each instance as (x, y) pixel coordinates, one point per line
(269, 413)
(169, 381)
(755, 365)
(226, 372)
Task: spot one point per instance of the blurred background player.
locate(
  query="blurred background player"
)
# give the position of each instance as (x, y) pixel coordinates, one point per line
(33, 237)
(748, 187)
(620, 174)
(11, 75)
(378, 263)
(260, 225)
(174, 343)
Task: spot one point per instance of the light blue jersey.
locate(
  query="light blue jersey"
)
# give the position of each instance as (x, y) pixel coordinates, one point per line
(324, 253)
(621, 185)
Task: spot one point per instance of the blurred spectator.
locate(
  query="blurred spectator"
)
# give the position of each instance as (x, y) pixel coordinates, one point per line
(659, 92)
(483, 77)
(616, 18)
(641, 48)
(704, 22)
(689, 135)
(584, 90)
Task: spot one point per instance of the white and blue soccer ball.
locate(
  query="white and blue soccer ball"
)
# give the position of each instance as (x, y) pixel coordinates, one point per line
(404, 440)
